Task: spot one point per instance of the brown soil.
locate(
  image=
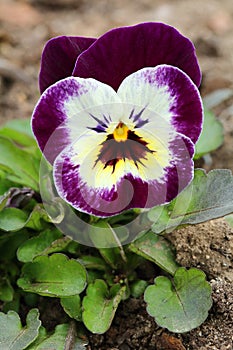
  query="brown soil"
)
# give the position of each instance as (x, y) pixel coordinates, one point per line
(25, 26)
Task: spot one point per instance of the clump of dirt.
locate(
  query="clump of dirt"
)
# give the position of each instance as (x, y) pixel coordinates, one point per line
(216, 332)
(207, 246)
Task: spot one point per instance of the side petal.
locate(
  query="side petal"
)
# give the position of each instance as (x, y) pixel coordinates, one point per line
(170, 94)
(68, 109)
(98, 190)
(122, 51)
(59, 57)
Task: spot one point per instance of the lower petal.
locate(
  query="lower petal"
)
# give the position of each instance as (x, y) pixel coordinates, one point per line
(92, 187)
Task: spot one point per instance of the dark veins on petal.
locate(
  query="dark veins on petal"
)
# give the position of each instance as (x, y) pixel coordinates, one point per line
(134, 148)
(101, 126)
(137, 118)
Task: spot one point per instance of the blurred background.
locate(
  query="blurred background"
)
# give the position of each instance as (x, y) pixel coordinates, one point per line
(26, 25)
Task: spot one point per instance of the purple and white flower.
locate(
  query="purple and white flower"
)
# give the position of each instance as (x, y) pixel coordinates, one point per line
(119, 116)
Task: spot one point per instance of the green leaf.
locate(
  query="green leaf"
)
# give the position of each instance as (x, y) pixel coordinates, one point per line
(94, 275)
(38, 218)
(104, 236)
(137, 288)
(72, 306)
(6, 290)
(37, 245)
(99, 306)
(14, 304)
(42, 335)
(111, 256)
(209, 196)
(211, 137)
(23, 167)
(9, 244)
(12, 219)
(19, 130)
(180, 304)
(15, 337)
(229, 220)
(5, 185)
(57, 340)
(106, 240)
(54, 276)
(156, 249)
(93, 262)
(62, 244)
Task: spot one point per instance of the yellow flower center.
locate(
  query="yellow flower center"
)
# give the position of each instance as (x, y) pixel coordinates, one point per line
(120, 134)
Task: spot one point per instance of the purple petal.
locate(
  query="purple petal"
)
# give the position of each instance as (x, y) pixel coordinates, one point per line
(170, 94)
(126, 192)
(122, 51)
(59, 57)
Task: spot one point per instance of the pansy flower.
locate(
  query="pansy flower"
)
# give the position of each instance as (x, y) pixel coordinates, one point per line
(119, 116)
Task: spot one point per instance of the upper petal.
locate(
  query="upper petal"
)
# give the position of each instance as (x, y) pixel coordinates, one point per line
(70, 108)
(125, 50)
(170, 94)
(59, 57)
